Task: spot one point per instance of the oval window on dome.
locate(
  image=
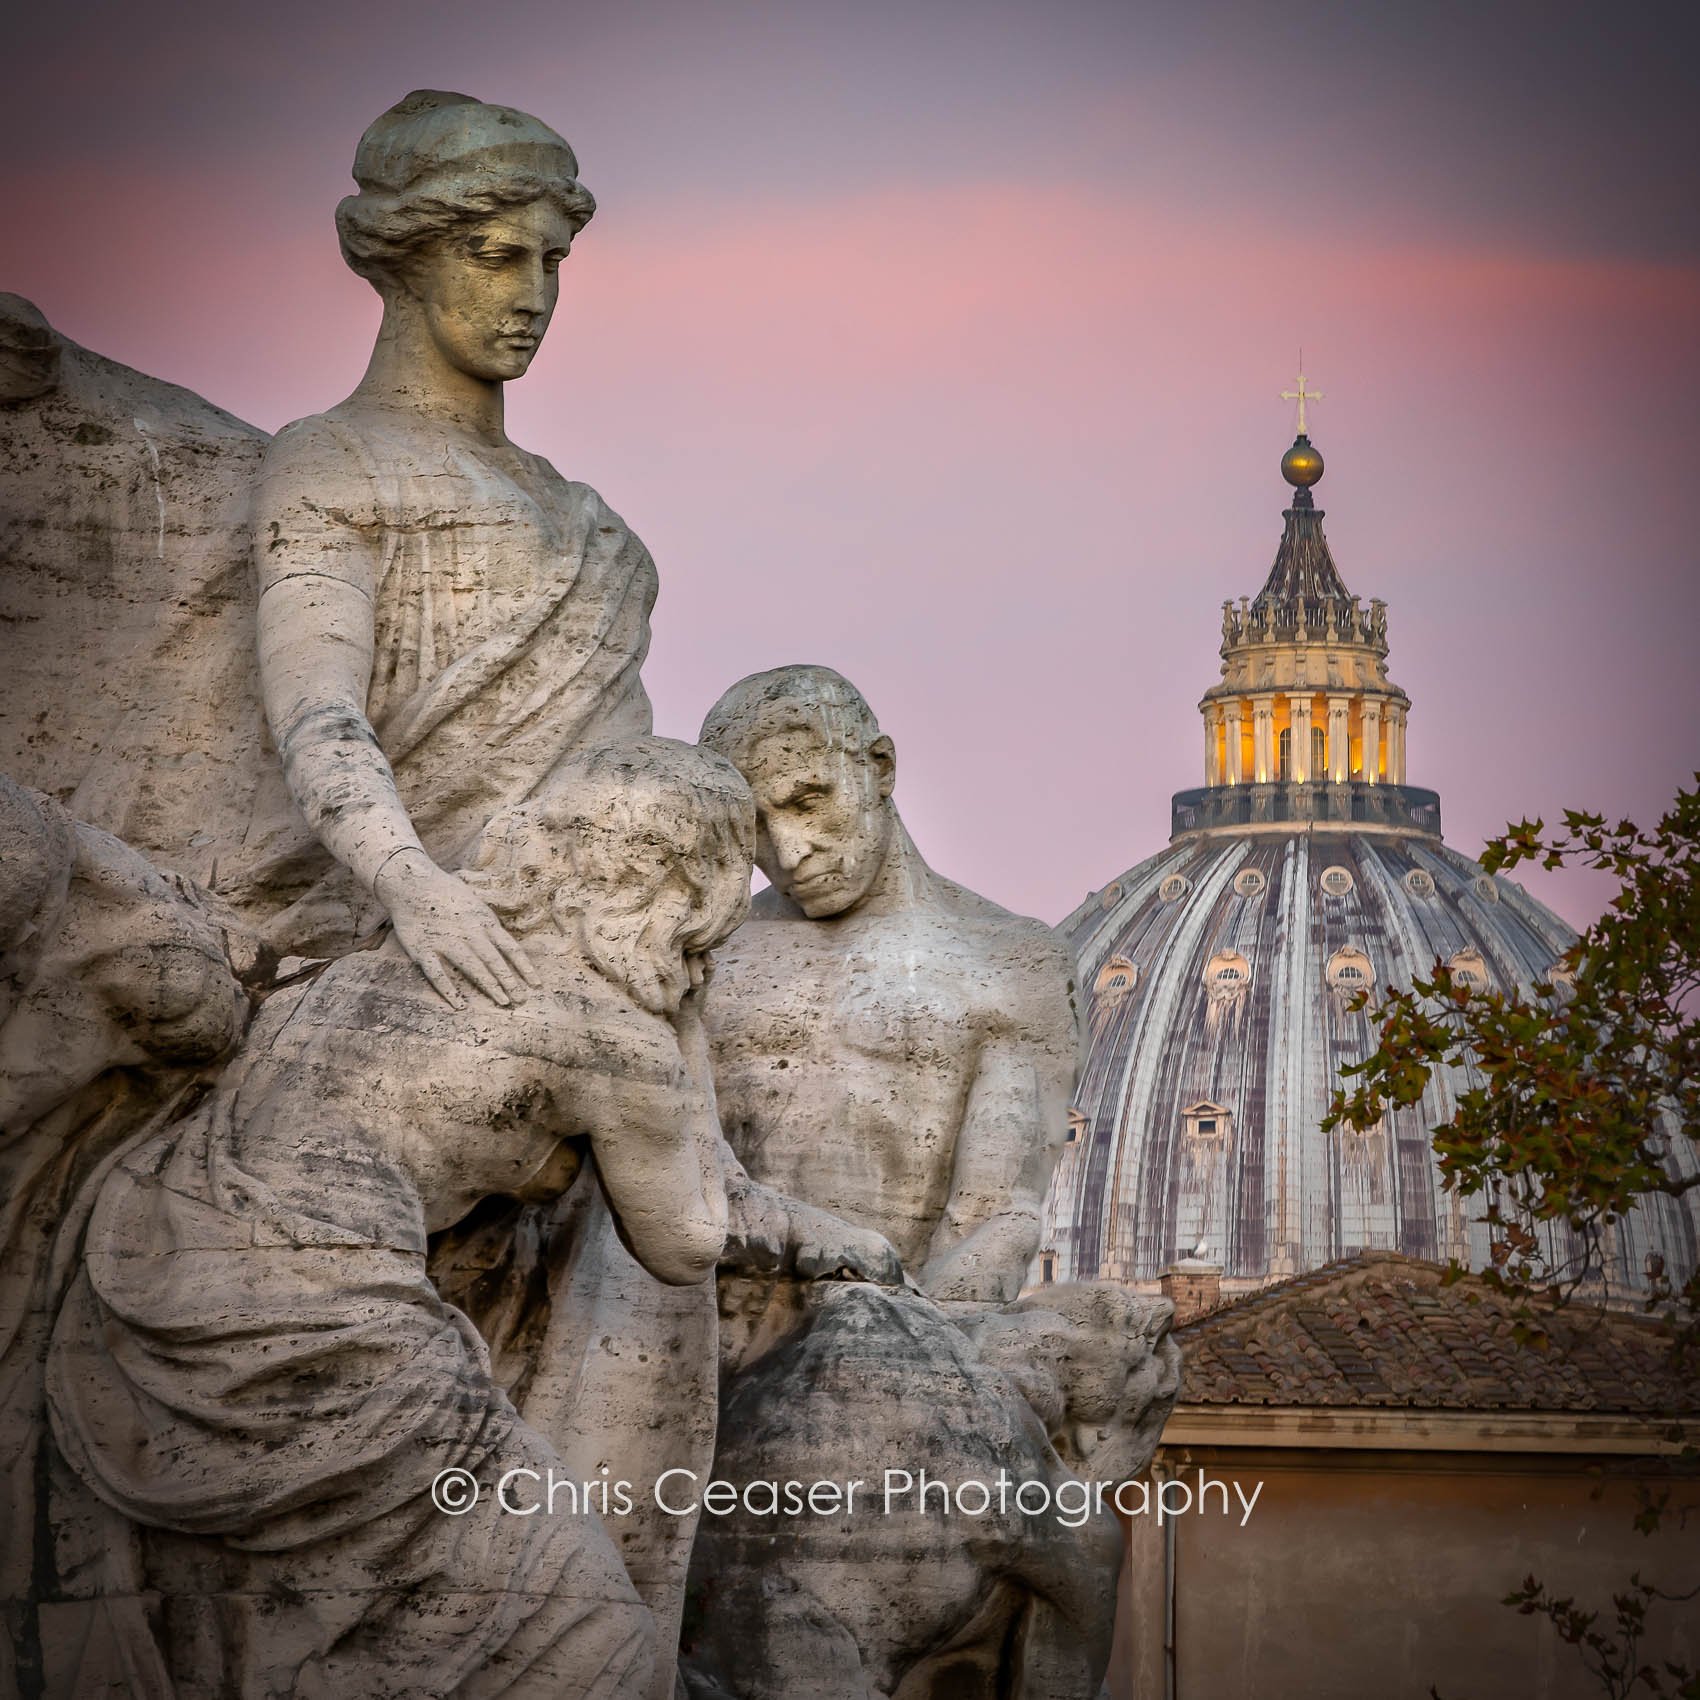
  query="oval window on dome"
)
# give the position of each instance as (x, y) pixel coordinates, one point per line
(1249, 882)
(1419, 882)
(1226, 968)
(1111, 988)
(1337, 881)
(1349, 970)
(1227, 979)
(1469, 968)
(1561, 977)
(1484, 886)
(1174, 888)
(1110, 896)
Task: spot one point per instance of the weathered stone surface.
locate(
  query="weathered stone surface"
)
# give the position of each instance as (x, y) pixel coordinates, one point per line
(870, 1596)
(130, 692)
(366, 1126)
(1098, 1365)
(114, 989)
(29, 351)
(443, 618)
(253, 1366)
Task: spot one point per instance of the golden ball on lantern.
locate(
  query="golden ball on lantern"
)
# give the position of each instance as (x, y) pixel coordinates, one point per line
(1301, 465)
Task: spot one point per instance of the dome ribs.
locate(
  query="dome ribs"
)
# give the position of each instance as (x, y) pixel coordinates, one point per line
(1276, 1196)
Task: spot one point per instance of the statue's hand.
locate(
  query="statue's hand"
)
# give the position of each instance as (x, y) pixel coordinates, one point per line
(771, 1234)
(826, 1249)
(448, 929)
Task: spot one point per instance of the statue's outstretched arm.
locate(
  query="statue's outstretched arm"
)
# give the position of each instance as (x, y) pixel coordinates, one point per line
(316, 549)
(1011, 1133)
(1008, 1144)
(989, 1230)
(646, 1139)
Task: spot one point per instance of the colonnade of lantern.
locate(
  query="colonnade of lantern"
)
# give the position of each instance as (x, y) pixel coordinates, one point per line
(1304, 737)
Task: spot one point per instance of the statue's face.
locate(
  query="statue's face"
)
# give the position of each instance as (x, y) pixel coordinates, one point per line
(657, 948)
(823, 821)
(488, 290)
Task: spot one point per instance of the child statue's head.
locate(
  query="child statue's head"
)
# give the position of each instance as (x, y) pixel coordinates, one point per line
(643, 850)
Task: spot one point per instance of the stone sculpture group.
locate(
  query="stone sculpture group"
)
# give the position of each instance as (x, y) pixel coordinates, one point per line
(394, 1073)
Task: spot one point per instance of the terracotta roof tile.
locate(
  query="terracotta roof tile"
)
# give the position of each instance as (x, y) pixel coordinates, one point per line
(1381, 1329)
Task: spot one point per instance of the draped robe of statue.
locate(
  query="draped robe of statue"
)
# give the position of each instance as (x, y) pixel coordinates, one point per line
(300, 1417)
(510, 613)
(114, 991)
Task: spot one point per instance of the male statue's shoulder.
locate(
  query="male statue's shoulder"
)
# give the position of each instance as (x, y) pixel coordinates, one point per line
(971, 906)
(957, 899)
(1030, 968)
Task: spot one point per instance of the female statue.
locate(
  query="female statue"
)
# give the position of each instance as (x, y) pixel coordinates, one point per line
(253, 1364)
(443, 618)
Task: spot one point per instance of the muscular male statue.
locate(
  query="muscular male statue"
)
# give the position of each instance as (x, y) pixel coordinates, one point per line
(888, 1046)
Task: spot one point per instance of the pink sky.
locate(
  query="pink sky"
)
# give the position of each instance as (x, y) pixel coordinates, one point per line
(947, 352)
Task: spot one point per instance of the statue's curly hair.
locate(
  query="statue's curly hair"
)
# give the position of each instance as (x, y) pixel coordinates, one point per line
(379, 233)
(785, 699)
(613, 822)
(437, 159)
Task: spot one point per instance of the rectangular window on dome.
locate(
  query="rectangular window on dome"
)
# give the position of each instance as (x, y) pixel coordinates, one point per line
(1207, 1121)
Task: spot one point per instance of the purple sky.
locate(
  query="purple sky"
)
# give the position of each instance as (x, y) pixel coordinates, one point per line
(942, 344)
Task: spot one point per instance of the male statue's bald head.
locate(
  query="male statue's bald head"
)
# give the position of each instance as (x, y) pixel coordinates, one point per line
(821, 772)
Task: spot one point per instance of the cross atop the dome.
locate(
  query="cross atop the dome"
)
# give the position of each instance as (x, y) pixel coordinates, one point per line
(1301, 395)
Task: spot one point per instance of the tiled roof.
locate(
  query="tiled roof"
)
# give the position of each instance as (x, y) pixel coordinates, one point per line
(1380, 1329)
